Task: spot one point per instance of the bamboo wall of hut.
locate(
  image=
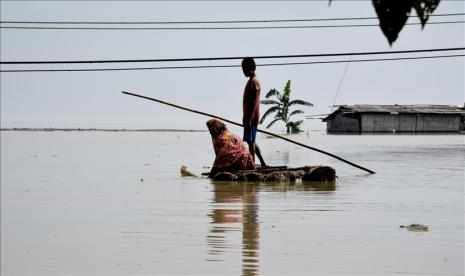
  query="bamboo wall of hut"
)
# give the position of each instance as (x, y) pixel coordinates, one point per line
(396, 118)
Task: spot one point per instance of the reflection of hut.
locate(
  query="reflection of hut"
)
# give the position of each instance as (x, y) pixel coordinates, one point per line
(395, 118)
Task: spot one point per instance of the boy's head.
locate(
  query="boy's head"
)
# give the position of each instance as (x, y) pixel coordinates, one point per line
(248, 66)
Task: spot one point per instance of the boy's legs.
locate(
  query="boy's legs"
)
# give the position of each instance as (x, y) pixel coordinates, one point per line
(249, 137)
(252, 150)
(259, 154)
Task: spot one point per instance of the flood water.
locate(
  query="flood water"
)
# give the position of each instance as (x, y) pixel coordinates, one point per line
(115, 203)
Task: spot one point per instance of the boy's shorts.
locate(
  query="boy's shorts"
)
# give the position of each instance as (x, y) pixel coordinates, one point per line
(250, 133)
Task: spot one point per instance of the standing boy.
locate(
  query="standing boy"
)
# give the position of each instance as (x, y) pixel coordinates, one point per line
(251, 108)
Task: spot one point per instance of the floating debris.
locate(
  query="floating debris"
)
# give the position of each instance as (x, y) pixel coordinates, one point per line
(416, 227)
(186, 172)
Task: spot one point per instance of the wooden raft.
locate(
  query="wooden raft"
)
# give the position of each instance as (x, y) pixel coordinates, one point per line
(280, 174)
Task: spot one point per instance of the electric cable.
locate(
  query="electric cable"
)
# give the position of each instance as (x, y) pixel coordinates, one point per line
(225, 66)
(236, 57)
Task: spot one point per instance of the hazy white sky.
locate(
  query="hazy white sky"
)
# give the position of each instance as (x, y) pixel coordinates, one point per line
(94, 99)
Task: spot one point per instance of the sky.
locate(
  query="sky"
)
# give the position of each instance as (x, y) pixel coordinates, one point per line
(94, 99)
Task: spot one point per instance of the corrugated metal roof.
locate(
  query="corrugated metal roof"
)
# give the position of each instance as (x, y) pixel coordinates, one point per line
(395, 109)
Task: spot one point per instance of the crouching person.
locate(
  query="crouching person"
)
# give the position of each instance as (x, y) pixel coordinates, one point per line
(231, 153)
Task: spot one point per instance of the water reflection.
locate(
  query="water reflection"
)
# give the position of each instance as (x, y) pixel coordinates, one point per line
(235, 208)
(328, 186)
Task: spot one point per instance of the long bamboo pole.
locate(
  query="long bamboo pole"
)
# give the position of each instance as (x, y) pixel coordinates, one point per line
(259, 130)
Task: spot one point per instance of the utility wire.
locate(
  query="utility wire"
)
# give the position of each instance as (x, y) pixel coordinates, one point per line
(225, 66)
(234, 58)
(216, 28)
(209, 22)
(340, 82)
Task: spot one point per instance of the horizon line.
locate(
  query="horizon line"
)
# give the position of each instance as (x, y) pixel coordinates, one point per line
(101, 129)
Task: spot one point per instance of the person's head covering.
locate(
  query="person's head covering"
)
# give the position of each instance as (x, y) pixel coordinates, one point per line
(216, 127)
(228, 146)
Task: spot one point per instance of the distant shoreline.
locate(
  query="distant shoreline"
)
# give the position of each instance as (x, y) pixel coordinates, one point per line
(101, 129)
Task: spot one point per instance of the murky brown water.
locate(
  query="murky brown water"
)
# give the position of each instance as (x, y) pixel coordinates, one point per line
(114, 203)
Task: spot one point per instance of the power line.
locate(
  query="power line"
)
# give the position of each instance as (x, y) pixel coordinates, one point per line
(340, 82)
(209, 21)
(234, 58)
(225, 66)
(216, 28)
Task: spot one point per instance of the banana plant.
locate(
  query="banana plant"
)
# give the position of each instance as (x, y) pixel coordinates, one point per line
(281, 108)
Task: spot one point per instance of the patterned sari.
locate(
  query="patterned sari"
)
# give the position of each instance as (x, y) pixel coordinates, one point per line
(231, 153)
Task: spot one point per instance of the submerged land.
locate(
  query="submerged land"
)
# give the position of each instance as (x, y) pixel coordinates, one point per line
(103, 202)
(102, 129)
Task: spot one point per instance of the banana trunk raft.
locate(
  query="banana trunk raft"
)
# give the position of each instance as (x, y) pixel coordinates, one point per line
(279, 174)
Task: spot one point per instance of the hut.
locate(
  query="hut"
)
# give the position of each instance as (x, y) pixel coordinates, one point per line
(395, 118)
